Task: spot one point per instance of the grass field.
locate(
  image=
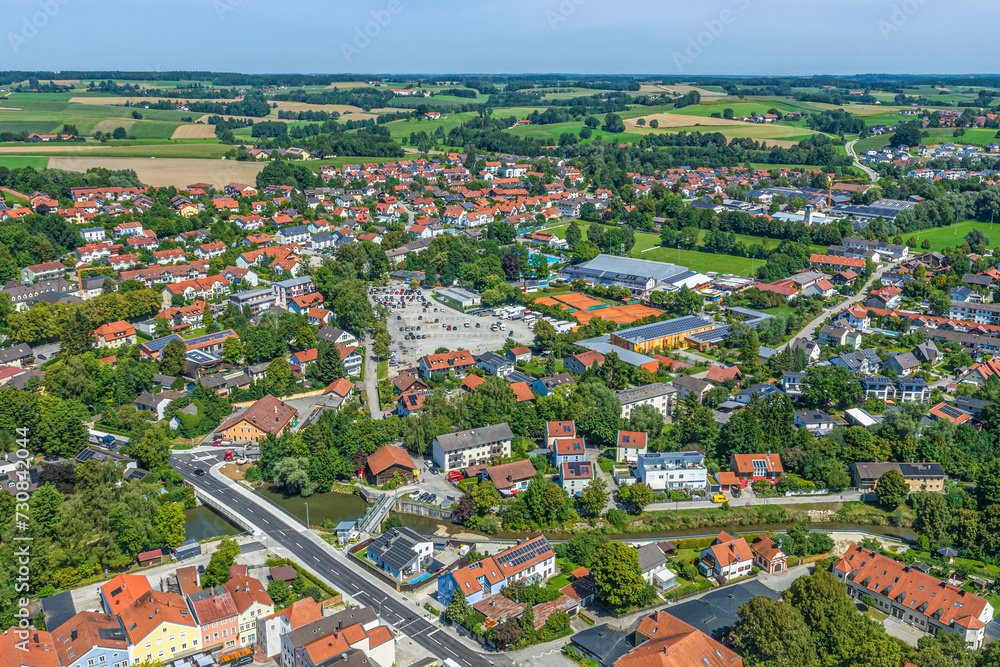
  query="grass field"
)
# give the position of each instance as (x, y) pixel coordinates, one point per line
(647, 246)
(952, 236)
(18, 161)
(178, 172)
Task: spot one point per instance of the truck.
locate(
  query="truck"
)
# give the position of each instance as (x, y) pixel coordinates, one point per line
(229, 455)
(108, 440)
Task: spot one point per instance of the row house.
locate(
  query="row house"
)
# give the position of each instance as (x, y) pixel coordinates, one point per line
(210, 288)
(530, 561)
(172, 256)
(906, 390)
(92, 252)
(161, 275)
(210, 250)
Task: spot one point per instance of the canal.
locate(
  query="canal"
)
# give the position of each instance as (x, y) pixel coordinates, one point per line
(204, 523)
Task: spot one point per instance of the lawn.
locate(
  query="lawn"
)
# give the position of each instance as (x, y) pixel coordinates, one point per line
(647, 246)
(953, 235)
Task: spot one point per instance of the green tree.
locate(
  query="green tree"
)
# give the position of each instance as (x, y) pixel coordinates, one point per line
(173, 358)
(582, 548)
(618, 581)
(573, 235)
(292, 474)
(278, 591)
(458, 609)
(232, 350)
(161, 327)
(647, 419)
(933, 515)
(485, 497)
(826, 385)
(44, 504)
(594, 497)
(771, 633)
(77, 335)
(217, 570)
(892, 489)
(170, 524)
(329, 367)
(640, 496)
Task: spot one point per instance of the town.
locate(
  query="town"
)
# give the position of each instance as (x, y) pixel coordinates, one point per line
(486, 371)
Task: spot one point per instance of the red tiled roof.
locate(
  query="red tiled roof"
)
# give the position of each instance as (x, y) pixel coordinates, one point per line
(387, 456)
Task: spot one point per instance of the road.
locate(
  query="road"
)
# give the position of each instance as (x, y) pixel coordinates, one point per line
(749, 499)
(371, 380)
(872, 174)
(308, 550)
(806, 331)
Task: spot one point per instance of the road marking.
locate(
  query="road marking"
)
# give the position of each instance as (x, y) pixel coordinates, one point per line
(434, 633)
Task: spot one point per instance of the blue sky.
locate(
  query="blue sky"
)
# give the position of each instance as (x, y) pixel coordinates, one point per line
(794, 37)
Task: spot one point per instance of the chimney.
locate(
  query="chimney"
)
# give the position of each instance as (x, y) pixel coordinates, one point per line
(73, 635)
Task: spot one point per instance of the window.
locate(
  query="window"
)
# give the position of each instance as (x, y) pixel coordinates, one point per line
(171, 638)
(159, 654)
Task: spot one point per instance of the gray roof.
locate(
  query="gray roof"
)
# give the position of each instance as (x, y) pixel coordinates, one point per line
(327, 624)
(396, 547)
(814, 417)
(645, 392)
(661, 272)
(692, 383)
(607, 643)
(19, 351)
(650, 557)
(657, 330)
(715, 613)
(874, 470)
(603, 345)
(477, 437)
(906, 360)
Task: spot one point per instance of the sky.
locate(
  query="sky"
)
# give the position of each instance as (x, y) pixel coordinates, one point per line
(721, 37)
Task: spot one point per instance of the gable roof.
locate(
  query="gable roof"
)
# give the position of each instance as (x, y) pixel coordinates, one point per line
(387, 456)
(673, 643)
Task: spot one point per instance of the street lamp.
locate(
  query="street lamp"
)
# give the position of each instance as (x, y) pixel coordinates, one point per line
(307, 515)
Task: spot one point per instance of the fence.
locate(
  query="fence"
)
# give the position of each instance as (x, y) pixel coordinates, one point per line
(233, 517)
(403, 587)
(290, 397)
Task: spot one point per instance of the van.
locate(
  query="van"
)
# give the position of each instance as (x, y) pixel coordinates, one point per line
(719, 498)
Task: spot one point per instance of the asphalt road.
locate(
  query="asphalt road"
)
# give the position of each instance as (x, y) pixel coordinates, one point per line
(405, 617)
(871, 173)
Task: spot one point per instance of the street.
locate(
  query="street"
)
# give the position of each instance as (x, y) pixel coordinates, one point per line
(871, 173)
(284, 529)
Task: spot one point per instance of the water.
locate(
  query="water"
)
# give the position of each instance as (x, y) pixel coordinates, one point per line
(204, 523)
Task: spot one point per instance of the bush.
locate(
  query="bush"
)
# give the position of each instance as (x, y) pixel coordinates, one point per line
(617, 518)
(253, 475)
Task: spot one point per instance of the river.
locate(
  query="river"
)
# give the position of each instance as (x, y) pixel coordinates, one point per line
(204, 523)
(346, 507)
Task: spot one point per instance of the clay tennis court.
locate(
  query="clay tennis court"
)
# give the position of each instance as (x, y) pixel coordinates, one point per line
(162, 172)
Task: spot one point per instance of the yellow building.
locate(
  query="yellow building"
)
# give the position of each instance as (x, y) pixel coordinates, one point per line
(267, 416)
(919, 476)
(661, 335)
(160, 628)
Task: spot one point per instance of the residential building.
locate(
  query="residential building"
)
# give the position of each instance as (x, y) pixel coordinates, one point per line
(687, 386)
(530, 561)
(28, 648)
(401, 552)
(252, 604)
(567, 449)
(266, 416)
(919, 476)
(115, 334)
(494, 364)
(672, 471)
(659, 395)
(557, 430)
(286, 290)
(88, 638)
(917, 599)
(510, 478)
(216, 613)
(726, 558)
(307, 634)
(122, 591)
(630, 445)
(661, 640)
(519, 354)
(816, 422)
(389, 460)
(160, 628)
(457, 362)
(271, 628)
(752, 467)
(46, 271)
(653, 565)
(574, 476)
(903, 363)
(454, 451)
(768, 555)
(579, 363)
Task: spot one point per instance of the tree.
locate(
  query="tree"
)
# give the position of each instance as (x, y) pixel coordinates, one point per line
(119, 133)
(573, 234)
(940, 303)
(465, 509)
(892, 489)
(594, 497)
(329, 367)
(582, 548)
(506, 633)
(771, 633)
(77, 336)
(511, 265)
(647, 419)
(170, 524)
(908, 135)
(44, 504)
(826, 385)
(232, 350)
(485, 497)
(217, 571)
(618, 581)
(173, 358)
(933, 515)
(278, 591)
(640, 495)
(293, 475)
(458, 609)
(613, 123)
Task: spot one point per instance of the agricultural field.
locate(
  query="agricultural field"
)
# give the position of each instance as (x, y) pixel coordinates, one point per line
(178, 172)
(954, 235)
(18, 161)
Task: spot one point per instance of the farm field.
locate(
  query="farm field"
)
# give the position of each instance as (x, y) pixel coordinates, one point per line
(775, 135)
(18, 161)
(178, 172)
(192, 148)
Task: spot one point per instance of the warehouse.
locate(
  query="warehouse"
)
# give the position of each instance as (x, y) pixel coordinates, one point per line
(638, 275)
(459, 298)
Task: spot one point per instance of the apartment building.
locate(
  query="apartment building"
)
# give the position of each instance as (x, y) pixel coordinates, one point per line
(454, 451)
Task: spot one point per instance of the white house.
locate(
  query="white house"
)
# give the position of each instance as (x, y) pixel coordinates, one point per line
(672, 471)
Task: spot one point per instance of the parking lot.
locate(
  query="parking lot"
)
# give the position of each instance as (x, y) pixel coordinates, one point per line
(412, 314)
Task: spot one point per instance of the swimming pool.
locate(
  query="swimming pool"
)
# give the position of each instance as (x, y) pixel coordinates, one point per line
(425, 575)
